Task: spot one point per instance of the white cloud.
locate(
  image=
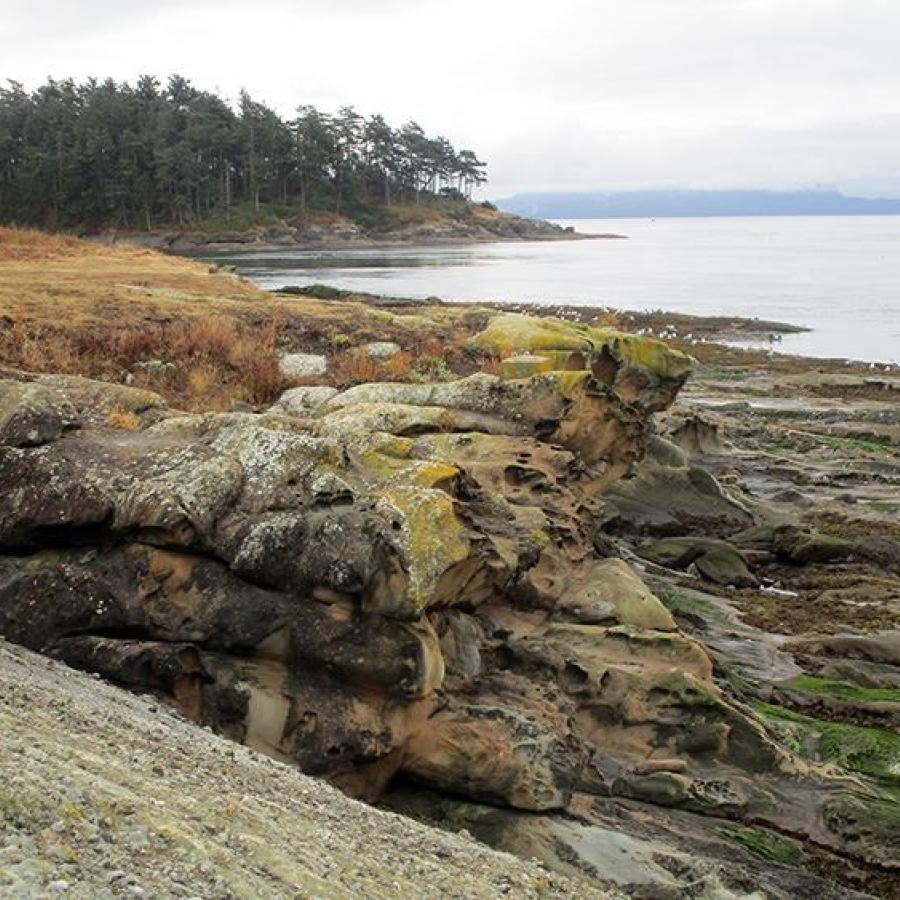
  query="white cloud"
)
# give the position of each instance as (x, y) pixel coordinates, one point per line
(568, 94)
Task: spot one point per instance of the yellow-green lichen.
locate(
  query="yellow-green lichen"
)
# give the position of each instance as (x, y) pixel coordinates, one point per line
(524, 366)
(516, 333)
(433, 539)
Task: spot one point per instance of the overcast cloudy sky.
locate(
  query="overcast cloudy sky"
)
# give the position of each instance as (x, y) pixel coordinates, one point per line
(555, 95)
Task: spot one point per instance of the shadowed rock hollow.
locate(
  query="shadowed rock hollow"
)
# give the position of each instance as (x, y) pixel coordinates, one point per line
(407, 582)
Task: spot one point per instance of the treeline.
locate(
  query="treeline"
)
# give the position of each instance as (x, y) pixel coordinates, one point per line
(102, 154)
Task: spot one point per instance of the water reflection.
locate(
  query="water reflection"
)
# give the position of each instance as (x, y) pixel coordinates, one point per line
(839, 276)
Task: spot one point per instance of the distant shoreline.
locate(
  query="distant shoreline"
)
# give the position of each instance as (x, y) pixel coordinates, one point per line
(410, 225)
(693, 204)
(197, 244)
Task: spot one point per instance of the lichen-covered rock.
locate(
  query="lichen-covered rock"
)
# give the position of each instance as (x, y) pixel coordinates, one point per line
(304, 400)
(303, 365)
(401, 582)
(382, 349)
(524, 365)
(636, 368)
(31, 414)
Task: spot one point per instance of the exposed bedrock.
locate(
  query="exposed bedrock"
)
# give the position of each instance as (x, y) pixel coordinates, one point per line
(405, 582)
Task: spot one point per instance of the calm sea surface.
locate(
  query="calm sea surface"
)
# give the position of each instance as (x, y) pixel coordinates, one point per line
(839, 276)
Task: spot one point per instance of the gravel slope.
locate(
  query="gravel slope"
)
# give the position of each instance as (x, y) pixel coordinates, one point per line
(106, 794)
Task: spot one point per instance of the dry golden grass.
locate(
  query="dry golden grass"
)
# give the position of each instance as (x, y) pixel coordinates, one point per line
(356, 367)
(75, 307)
(399, 366)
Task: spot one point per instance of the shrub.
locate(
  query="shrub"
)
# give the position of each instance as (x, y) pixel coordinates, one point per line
(432, 368)
(399, 366)
(205, 338)
(123, 419)
(356, 367)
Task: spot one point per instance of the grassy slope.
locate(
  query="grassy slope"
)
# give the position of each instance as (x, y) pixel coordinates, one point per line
(68, 306)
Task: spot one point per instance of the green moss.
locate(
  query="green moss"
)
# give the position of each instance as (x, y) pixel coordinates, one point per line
(677, 601)
(844, 443)
(842, 690)
(716, 374)
(524, 366)
(869, 751)
(766, 845)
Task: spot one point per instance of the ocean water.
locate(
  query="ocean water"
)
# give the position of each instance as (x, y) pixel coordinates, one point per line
(839, 276)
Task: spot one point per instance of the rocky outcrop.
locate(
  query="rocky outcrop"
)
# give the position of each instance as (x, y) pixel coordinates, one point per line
(470, 224)
(401, 581)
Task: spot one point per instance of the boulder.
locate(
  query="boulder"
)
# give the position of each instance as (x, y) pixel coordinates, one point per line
(715, 560)
(800, 546)
(613, 593)
(669, 496)
(639, 369)
(381, 349)
(302, 365)
(725, 565)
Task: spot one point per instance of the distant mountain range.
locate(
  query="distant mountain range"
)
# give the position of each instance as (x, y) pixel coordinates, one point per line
(674, 203)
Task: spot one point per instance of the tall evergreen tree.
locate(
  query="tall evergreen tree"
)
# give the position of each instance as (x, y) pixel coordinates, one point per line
(101, 154)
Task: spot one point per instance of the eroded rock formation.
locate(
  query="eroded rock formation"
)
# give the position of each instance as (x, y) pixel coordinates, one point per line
(406, 581)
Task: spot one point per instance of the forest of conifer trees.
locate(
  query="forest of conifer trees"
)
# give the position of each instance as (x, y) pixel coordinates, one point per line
(105, 154)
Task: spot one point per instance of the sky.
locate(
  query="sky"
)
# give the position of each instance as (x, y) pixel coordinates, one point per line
(554, 95)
